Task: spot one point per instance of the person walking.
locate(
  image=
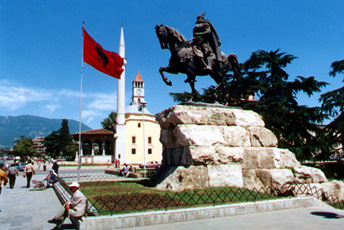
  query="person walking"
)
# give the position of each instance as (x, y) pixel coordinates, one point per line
(3, 178)
(56, 167)
(75, 208)
(29, 170)
(44, 165)
(12, 174)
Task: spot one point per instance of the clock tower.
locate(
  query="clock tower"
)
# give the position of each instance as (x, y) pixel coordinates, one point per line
(138, 90)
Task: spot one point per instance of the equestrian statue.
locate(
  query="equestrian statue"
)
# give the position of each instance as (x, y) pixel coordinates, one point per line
(198, 56)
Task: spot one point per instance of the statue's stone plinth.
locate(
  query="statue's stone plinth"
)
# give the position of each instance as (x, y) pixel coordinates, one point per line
(213, 146)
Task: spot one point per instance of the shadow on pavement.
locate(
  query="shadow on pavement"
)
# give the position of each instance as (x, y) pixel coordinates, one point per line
(67, 226)
(327, 215)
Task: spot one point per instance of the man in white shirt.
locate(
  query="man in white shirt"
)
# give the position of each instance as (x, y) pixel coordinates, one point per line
(76, 207)
(12, 174)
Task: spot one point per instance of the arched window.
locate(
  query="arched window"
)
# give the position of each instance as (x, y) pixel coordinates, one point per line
(149, 140)
(150, 151)
(133, 151)
(133, 139)
(139, 125)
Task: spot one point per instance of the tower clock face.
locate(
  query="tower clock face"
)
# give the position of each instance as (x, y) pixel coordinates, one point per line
(139, 92)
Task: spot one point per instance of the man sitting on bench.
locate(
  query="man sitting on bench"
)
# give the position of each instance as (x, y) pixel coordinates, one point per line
(75, 208)
(125, 171)
(51, 178)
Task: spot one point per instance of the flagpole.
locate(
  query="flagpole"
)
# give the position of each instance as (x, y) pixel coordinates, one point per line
(81, 77)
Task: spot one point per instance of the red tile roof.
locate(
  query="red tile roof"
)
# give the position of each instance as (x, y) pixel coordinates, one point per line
(96, 132)
(138, 77)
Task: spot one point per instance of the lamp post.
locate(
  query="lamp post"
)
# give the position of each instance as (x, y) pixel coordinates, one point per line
(142, 107)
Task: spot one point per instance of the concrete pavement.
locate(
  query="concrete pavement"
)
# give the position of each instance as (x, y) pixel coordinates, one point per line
(25, 209)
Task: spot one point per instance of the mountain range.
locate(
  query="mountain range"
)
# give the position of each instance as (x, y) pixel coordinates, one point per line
(12, 127)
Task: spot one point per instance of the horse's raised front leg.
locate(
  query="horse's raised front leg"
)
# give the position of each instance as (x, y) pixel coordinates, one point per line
(164, 78)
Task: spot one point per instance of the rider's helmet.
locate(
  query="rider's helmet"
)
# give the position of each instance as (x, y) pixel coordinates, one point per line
(200, 18)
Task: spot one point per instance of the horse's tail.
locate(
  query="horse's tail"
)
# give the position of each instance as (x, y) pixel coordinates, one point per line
(233, 60)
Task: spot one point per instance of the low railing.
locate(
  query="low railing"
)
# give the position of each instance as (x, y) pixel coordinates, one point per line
(114, 204)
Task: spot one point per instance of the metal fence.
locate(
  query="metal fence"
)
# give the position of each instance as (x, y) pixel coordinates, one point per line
(114, 204)
(89, 177)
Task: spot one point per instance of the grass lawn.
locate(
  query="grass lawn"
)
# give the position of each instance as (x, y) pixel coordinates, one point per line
(121, 197)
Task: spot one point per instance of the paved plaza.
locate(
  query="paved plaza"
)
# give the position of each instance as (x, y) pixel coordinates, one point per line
(24, 209)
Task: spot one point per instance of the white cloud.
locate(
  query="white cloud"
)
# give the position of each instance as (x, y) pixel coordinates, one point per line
(89, 120)
(68, 93)
(103, 102)
(55, 103)
(53, 107)
(16, 97)
(89, 113)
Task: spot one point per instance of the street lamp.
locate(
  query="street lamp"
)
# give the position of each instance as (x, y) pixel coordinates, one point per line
(142, 107)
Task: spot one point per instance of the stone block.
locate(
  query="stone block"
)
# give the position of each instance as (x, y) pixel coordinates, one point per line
(280, 177)
(258, 158)
(193, 177)
(334, 188)
(225, 175)
(229, 155)
(306, 174)
(285, 159)
(262, 137)
(256, 178)
(208, 115)
(188, 135)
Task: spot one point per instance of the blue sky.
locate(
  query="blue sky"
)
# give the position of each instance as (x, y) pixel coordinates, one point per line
(41, 48)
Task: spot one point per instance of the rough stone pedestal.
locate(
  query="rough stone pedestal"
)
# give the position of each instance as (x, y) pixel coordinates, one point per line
(218, 146)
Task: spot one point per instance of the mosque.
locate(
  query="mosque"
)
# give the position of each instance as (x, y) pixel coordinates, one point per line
(142, 133)
(135, 137)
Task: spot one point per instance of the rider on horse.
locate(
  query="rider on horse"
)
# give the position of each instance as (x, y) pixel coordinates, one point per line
(206, 43)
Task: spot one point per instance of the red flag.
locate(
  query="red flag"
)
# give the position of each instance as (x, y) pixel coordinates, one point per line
(105, 61)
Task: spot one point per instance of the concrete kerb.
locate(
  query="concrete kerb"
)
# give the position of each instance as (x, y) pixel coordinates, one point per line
(190, 214)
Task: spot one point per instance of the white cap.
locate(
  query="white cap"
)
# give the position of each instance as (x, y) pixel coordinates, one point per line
(75, 185)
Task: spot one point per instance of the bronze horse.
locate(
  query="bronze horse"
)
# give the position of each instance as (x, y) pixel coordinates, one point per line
(184, 60)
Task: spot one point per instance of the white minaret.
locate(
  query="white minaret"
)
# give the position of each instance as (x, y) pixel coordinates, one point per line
(120, 127)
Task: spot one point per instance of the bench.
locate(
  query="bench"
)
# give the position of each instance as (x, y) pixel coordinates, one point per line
(118, 172)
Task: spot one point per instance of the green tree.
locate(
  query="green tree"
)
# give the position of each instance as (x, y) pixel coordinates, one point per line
(65, 139)
(110, 121)
(24, 147)
(52, 144)
(333, 104)
(70, 150)
(296, 126)
(60, 142)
